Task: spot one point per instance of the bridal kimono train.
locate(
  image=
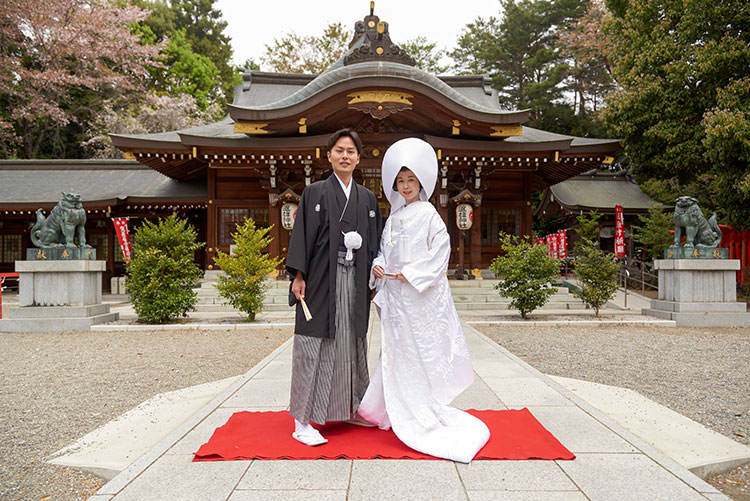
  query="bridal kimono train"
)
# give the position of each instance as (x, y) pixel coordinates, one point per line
(424, 361)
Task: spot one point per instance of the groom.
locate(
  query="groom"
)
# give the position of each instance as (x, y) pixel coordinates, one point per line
(335, 239)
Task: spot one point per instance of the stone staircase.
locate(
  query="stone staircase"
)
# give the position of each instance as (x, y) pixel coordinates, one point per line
(475, 295)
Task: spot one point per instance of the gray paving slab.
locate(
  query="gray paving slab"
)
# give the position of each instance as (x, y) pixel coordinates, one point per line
(261, 393)
(278, 369)
(288, 495)
(601, 444)
(527, 496)
(579, 431)
(478, 396)
(613, 477)
(399, 479)
(525, 391)
(514, 476)
(177, 477)
(297, 475)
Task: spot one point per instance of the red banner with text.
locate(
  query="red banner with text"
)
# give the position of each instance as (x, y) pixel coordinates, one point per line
(619, 231)
(123, 236)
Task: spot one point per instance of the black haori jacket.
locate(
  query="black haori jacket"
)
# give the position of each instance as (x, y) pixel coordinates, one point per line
(314, 246)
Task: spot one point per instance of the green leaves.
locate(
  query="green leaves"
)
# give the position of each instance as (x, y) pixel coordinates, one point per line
(162, 271)
(527, 272)
(653, 232)
(684, 68)
(242, 283)
(596, 271)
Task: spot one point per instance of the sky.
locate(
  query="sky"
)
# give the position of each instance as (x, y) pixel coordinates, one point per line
(254, 24)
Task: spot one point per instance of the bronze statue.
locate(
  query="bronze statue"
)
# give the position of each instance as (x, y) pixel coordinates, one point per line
(689, 219)
(66, 222)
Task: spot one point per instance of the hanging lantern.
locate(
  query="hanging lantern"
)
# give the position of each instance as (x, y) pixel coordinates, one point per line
(464, 216)
(288, 215)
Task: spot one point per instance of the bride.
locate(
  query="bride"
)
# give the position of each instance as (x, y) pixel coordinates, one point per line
(424, 361)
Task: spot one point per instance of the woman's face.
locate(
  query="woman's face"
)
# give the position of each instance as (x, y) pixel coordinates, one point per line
(408, 186)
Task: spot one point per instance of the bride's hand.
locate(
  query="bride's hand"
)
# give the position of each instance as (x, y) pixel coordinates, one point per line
(399, 276)
(378, 271)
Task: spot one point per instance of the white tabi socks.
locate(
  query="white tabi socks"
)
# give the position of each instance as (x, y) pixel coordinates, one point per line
(305, 433)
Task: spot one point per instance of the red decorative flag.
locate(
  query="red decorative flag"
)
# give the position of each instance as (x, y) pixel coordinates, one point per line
(619, 231)
(123, 236)
(562, 244)
(553, 246)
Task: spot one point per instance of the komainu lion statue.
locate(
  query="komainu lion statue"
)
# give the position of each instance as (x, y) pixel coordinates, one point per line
(698, 231)
(66, 222)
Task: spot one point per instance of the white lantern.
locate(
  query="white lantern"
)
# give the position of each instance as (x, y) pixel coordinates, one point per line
(464, 216)
(288, 215)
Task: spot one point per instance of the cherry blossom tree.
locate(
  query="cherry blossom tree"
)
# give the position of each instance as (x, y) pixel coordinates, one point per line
(59, 59)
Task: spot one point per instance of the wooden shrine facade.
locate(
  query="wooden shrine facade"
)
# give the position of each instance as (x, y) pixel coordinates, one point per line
(272, 144)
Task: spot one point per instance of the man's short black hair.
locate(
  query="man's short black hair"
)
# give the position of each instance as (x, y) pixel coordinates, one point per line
(395, 180)
(345, 133)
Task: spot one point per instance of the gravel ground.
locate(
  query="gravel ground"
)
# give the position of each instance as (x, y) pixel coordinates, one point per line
(703, 374)
(55, 388)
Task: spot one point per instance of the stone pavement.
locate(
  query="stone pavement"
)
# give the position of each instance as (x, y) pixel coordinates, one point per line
(611, 462)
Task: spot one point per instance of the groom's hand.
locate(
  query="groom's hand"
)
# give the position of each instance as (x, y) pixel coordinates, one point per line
(298, 286)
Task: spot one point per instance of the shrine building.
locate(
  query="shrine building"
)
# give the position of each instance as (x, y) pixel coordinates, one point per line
(257, 160)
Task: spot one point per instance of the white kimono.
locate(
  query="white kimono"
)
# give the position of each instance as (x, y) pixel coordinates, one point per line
(424, 361)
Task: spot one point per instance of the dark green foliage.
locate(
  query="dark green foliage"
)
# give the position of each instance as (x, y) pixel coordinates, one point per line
(684, 105)
(596, 271)
(653, 231)
(196, 32)
(162, 271)
(532, 67)
(242, 283)
(526, 271)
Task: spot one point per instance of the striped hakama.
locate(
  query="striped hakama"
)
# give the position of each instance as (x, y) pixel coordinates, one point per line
(329, 376)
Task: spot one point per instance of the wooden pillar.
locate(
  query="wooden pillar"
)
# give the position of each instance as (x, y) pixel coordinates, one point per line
(526, 211)
(475, 258)
(211, 219)
(111, 242)
(274, 219)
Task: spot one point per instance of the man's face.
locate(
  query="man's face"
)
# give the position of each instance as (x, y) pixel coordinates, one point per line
(344, 157)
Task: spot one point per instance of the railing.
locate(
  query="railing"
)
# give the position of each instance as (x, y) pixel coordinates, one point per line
(634, 274)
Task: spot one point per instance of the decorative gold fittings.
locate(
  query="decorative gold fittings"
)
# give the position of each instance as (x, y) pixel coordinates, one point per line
(195, 152)
(302, 125)
(456, 128)
(381, 28)
(608, 160)
(506, 130)
(379, 51)
(248, 128)
(379, 96)
(379, 104)
(375, 152)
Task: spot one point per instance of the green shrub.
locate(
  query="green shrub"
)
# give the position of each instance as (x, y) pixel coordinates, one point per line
(242, 283)
(597, 276)
(526, 271)
(162, 271)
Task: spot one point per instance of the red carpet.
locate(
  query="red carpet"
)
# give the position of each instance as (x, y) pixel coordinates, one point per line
(514, 434)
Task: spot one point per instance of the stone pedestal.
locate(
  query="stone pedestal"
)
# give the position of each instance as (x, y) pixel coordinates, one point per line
(699, 293)
(58, 296)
